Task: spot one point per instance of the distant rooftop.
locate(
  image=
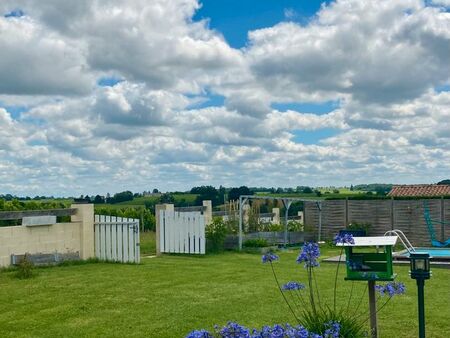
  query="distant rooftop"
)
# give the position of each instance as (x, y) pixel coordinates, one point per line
(419, 190)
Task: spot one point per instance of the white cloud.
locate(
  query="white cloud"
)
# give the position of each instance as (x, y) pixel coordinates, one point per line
(381, 60)
(35, 60)
(374, 52)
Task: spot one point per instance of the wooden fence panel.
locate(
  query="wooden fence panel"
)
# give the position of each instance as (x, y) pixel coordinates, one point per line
(375, 212)
(117, 239)
(182, 232)
(383, 215)
(446, 218)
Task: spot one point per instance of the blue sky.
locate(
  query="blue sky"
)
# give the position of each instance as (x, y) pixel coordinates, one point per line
(170, 94)
(235, 18)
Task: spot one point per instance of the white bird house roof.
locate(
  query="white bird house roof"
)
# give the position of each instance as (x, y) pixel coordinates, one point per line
(372, 241)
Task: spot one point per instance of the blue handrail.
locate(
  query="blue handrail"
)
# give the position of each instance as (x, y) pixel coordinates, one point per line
(429, 222)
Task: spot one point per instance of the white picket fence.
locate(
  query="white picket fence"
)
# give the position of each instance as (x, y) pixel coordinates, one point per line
(182, 232)
(117, 239)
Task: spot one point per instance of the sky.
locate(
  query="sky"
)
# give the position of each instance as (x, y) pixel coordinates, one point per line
(100, 97)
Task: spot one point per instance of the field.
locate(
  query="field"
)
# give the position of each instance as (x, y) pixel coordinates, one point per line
(325, 194)
(139, 202)
(171, 295)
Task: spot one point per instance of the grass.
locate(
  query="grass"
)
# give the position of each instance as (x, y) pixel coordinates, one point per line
(171, 295)
(148, 245)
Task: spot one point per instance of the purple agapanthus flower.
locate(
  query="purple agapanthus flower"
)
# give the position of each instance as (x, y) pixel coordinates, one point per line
(280, 331)
(309, 254)
(293, 286)
(296, 332)
(391, 289)
(344, 239)
(233, 330)
(199, 334)
(332, 330)
(269, 257)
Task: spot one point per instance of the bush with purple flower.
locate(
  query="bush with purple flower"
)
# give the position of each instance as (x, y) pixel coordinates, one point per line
(391, 289)
(315, 318)
(235, 330)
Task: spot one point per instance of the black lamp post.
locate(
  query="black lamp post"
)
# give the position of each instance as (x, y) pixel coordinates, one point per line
(420, 270)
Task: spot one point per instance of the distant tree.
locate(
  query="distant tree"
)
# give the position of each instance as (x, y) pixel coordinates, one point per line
(99, 199)
(234, 193)
(444, 182)
(166, 198)
(335, 191)
(222, 193)
(122, 197)
(351, 187)
(206, 193)
(155, 191)
(279, 190)
(307, 190)
(318, 193)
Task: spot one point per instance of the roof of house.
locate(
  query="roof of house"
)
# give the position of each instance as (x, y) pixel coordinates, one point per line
(419, 190)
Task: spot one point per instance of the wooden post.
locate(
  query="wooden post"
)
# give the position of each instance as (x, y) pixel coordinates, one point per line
(392, 213)
(346, 212)
(373, 310)
(442, 220)
(158, 208)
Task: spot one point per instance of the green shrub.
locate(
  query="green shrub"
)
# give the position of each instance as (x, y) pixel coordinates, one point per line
(271, 227)
(216, 231)
(359, 226)
(256, 243)
(25, 268)
(295, 226)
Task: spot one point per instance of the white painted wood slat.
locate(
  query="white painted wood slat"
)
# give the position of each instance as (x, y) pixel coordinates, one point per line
(97, 235)
(131, 243)
(182, 232)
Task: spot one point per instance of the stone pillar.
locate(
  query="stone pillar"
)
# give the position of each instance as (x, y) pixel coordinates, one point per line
(85, 215)
(300, 217)
(208, 212)
(276, 216)
(158, 208)
(246, 216)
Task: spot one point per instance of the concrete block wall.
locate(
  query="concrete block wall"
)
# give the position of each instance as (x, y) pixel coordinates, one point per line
(74, 237)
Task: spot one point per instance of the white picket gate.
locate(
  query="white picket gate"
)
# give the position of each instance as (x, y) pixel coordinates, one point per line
(182, 232)
(117, 239)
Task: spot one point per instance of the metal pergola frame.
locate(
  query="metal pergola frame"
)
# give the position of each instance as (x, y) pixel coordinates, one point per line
(287, 201)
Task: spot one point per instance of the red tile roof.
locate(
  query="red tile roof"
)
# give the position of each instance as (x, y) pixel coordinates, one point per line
(419, 190)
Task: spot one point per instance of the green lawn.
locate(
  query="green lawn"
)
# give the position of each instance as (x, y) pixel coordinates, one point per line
(169, 296)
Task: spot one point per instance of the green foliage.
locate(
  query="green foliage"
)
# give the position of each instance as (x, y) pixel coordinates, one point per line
(359, 226)
(25, 268)
(207, 193)
(256, 243)
(144, 215)
(272, 227)
(295, 226)
(121, 197)
(234, 193)
(166, 198)
(17, 205)
(350, 325)
(216, 231)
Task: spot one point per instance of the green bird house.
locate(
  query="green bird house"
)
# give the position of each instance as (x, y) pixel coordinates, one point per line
(370, 258)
